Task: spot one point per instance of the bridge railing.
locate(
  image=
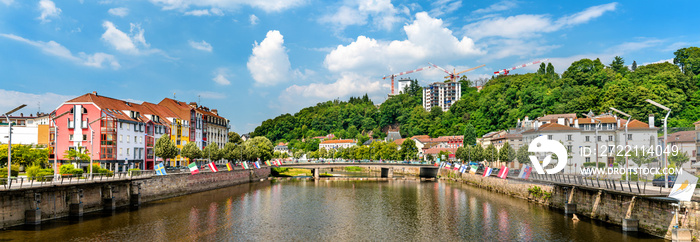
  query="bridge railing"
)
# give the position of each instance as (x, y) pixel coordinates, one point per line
(71, 179)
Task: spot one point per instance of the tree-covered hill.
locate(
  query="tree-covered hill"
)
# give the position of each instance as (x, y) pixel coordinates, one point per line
(585, 85)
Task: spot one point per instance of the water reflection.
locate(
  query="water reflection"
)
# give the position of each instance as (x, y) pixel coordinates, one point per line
(330, 210)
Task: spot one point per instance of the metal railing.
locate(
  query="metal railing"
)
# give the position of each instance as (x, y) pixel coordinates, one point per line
(615, 184)
(58, 180)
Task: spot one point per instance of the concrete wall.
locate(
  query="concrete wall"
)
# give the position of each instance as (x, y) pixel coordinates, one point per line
(55, 201)
(654, 214)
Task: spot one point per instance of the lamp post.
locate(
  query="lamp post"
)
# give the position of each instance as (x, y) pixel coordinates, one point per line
(627, 164)
(55, 143)
(92, 145)
(9, 142)
(664, 148)
(596, 137)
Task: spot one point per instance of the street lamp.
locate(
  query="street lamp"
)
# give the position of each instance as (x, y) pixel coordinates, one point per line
(92, 145)
(9, 142)
(55, 143)
(596, 137)
(627, 164)
(664, 148)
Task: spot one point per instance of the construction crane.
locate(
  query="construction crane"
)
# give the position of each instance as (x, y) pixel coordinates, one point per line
(454, 75)
(402, 73)
(506, 71)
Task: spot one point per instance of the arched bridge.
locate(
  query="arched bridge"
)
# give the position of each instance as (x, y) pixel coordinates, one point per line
(426, 170)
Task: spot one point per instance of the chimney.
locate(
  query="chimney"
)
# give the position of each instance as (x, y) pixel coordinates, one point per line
(576, 123)
(21, 114)
(561, 121)
(94, 93)
(651, 120)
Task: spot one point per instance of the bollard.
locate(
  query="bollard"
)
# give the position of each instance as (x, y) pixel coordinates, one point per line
(76, 207)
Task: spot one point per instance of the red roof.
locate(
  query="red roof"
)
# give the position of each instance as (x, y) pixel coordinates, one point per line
(437, 150)
(182, 109)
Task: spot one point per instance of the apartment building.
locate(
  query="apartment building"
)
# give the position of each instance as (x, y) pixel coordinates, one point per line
(441, 95)
(26, 129)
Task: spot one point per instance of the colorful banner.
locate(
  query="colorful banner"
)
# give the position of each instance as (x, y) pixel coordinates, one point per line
(521, 175)
(503, 173)
(228, 166)
(487, 171)
(193, 168)
(213, 167)
(160, 170)
(473, 169)
(257, 165)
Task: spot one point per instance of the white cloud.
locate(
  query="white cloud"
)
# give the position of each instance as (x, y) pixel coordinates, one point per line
(121, 12)
(56, 49)
(269, 64)
(7, 2)
(265, 5)
(204, 46)
(526, 25)
(254, 19)
(298, 96)
(220, 77)
(497, 7)
(427, 38)
(127, 43)
(198, 12)
(48, 101)
(442, 7)
(48, 10)
(211, 95)
(382, 12)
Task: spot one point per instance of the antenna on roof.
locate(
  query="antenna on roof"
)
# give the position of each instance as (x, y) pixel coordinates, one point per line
(39, 105)
(174, 96)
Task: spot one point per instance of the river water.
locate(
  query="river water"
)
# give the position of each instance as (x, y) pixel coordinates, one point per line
(330, 211)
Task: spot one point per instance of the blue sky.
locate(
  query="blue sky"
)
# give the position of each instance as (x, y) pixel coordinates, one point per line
(255, 59)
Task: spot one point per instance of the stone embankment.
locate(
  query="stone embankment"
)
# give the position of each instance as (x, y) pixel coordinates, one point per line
(33, 205)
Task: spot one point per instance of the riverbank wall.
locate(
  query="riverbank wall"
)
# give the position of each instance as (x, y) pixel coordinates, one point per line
(33, 205)
(654, 215)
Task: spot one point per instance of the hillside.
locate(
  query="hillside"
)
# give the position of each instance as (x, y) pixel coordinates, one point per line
(585, 85)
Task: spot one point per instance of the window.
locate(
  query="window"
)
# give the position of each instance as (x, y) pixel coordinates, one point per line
(70, 137)
(140, 140)
(588, 138)
(629, 137)
(128, 126)
(84, 137)
(120, 151)
(121, 139)
(128, 138)
(549, 136)
(568, 148)
(120, 125)
(134, 139)
(127, 151)
(568, 137)
(600, 138)
(610, 138)
(588, 159)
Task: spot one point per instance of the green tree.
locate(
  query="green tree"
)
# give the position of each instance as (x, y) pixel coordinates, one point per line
(688, 59)
(618, 65)
(506, 153)
(478, 153)
(233, 137)
(259, 147)
(551, 73)
(460, 153)
(542, 70)
(229, 151)
(491, 153)
(634, 65)
(78, 155)
(678, 159)
(523, 155)
(408, 149)
(212, 152)
(191, 151)
(165, 148)
(469, 135)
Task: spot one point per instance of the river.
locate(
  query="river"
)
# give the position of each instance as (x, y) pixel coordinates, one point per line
(330, 210)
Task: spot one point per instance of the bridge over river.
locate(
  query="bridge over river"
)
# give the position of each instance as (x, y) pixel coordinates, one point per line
(426, 170)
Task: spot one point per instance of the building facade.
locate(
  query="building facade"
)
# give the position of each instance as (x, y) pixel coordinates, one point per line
(441, 95)
(336, 144)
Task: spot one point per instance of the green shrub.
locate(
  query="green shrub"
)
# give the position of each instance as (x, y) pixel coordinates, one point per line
(69, 169)
(41, 175)
(3, 173)
(32, 171)
(107, 172)
(592, 164)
